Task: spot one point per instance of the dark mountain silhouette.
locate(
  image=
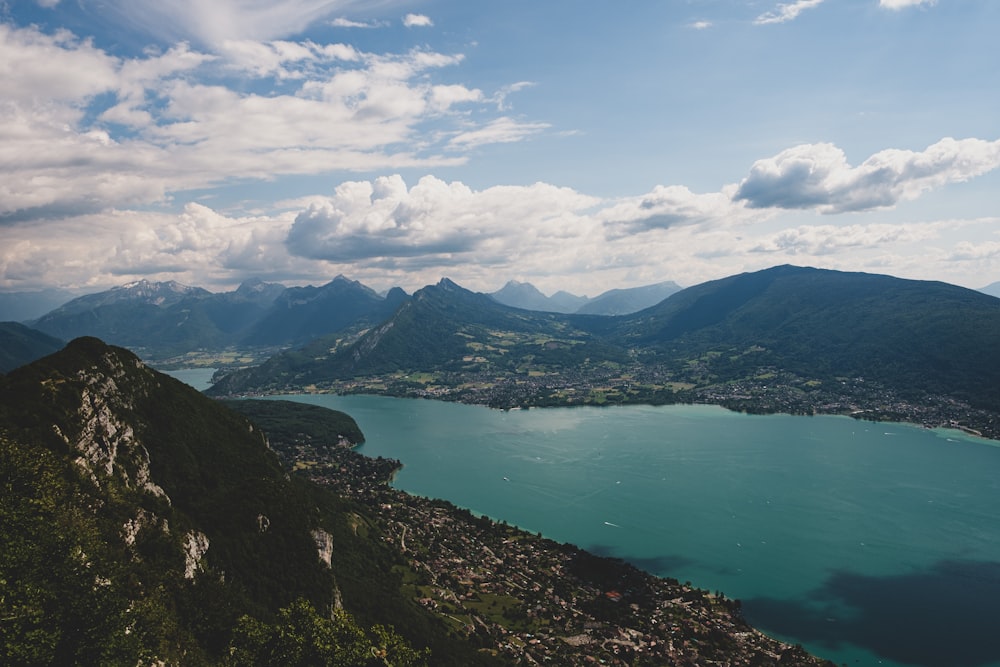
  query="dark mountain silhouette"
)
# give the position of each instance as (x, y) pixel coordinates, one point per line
(20, 345)
(163, 319)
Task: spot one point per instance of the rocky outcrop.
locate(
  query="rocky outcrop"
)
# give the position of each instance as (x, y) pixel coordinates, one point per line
(324, 546)
(195, 547)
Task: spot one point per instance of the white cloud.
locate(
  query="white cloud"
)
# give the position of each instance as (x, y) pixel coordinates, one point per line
(500, 131)
(966, 250)
(66, 149)
(48, 4)
(902, 4)
(417, 21)
(214, 23)
(384, 232)
(347, 23)
(385, 219)
(41, 69)
(818, 176)
(500, 98)
(197, 246)
(671, 206)
(821, 240)
(444, 97)
(700, 25)
(54, 162)
(787, 12)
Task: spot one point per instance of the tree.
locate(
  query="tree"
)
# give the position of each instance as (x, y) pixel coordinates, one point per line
(301, 637)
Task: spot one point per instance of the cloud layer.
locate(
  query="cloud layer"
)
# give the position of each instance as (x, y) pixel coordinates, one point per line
(817, 176)
(84, 130)
(384, 153)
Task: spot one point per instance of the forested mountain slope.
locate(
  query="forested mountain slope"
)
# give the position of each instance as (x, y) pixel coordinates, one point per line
(142, 523)
(916, 336)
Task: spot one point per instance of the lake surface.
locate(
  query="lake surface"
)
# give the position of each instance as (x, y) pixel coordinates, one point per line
(199, 378)
(866, 543)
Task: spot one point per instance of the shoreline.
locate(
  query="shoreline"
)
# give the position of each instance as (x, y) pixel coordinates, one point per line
(989, 433)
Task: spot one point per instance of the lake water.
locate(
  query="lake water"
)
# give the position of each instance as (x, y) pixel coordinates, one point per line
(867, 543)
(199, 378)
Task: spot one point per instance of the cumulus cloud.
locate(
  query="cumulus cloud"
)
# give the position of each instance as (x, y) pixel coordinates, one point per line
(41, 69)
(700, 25)
(787, 12)
(818, 176)
(386, 219)
(197, 246)
(417, 21)
(670, 206)
(902, 4)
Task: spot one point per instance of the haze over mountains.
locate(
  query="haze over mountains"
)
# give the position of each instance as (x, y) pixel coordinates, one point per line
(992, 289)
(168, 318)
(612, 302)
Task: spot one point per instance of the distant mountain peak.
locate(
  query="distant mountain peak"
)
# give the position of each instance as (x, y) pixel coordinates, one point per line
(144, 285)
(252, 284)
(528, 297)
(612, 302)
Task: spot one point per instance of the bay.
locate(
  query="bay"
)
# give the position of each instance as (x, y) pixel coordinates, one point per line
(867, 543)
(199, 378)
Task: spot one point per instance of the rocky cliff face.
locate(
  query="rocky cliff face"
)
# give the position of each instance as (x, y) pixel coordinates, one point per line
(155, 491)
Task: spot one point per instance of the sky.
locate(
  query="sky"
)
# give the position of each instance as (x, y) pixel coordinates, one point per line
(579, 145)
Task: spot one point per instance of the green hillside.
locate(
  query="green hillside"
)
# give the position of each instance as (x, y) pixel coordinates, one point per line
(443, 329)
(785, 339)
(142, 522)
(915, 336)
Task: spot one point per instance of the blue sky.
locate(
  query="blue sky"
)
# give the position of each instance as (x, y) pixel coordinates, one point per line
(577, 145)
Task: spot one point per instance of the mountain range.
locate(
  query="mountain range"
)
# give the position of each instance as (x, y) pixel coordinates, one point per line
(162, 319)
(613, 302)
(917, 338)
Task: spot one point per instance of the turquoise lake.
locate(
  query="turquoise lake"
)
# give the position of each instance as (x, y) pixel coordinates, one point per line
(867, 543)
